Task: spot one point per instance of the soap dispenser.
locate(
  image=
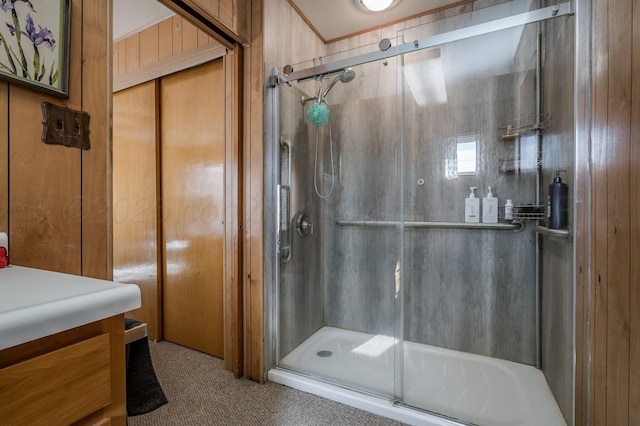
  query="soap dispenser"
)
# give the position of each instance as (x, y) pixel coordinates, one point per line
(490, 208)
(557, 203)
(472, 207)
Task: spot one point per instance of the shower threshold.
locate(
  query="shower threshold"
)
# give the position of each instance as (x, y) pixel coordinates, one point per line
(472, 388)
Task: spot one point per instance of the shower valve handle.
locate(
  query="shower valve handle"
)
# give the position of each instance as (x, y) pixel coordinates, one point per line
(305, 227)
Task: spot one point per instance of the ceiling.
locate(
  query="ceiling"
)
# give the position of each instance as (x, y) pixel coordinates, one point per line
(131, 16)
(336, 19)
(331, 19)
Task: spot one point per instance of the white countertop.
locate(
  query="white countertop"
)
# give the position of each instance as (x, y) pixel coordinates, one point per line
(35, 303)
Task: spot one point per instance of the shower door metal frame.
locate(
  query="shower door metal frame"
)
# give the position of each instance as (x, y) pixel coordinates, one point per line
(272, 161)
(538, 15)
(272, 217)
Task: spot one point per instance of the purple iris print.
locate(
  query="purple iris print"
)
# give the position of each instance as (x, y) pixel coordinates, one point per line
(21, 59)
(38, 37)
(7, 5)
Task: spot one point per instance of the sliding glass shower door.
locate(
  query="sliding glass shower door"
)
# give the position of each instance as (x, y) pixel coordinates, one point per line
(338, 283)
(386, 283)
(476, 118)
(470, 285)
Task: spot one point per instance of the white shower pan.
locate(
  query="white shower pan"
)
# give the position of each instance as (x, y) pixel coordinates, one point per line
(457, 385)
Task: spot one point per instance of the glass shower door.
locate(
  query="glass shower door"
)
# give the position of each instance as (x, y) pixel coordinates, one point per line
(471, 123)
(386, 284)
(339, 229)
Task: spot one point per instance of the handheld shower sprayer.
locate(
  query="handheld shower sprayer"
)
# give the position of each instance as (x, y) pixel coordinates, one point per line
(344, 77)
(318, 114)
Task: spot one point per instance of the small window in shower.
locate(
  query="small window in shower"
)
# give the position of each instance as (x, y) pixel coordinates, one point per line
(466, 155)
(461, 156)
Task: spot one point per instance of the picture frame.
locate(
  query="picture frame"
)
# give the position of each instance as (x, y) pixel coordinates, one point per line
(34, 44)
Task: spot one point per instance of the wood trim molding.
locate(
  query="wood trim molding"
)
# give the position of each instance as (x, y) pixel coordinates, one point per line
(206, 21)
(233, 271)
(253, 160)
(97, 232)
(174, 64)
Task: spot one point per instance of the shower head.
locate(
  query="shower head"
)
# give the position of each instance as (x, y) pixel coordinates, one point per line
(345, 77)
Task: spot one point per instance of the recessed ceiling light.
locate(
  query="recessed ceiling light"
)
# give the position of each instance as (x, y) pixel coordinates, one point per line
(376, 5)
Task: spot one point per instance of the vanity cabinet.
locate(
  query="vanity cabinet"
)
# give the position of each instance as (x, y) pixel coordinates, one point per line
(72, 377)
(62, 348)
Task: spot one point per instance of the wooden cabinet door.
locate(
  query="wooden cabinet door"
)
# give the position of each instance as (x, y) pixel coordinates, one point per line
(192, 163)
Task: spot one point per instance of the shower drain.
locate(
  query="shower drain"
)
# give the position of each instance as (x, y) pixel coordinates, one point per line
(324, 354)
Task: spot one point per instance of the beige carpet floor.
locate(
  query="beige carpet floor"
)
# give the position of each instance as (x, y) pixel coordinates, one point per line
(201, 392)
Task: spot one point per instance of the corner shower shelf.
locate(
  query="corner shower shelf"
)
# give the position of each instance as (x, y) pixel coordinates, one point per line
(558, 233)
(513, 226)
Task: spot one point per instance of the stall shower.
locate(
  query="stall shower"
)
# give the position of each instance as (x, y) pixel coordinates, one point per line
(384, 295)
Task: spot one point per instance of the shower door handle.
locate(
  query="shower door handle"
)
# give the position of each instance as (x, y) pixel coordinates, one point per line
(284, 233)
(284, 200)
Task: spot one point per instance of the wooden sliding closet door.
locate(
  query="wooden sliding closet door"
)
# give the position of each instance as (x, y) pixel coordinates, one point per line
(192, 151)
(135, 217)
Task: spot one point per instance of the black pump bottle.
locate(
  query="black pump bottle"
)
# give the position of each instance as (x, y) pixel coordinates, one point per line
(557, 203)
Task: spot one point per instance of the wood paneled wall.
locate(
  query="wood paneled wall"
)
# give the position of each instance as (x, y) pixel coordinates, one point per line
(157, 44)
(54, 200)
(615, 230)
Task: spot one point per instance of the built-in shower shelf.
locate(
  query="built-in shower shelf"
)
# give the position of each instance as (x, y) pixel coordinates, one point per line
(558, 233)
(511, 226)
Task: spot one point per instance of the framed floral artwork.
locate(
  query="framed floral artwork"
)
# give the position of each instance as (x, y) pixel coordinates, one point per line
(34, 44)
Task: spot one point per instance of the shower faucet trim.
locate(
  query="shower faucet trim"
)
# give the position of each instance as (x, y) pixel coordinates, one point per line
(303, 225)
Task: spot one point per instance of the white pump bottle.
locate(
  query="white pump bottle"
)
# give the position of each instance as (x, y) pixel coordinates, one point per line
(472, 207)
(490, 208)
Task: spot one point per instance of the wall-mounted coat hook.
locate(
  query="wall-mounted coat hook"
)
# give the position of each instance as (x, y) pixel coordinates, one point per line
(65, 126)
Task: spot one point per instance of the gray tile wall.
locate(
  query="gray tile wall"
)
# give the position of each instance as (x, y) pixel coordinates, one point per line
(464, 289)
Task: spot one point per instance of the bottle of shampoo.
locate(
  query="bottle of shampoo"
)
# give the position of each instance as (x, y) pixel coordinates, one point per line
(472, 207)
(490, 208)
(557, 203)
